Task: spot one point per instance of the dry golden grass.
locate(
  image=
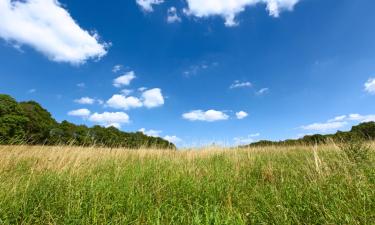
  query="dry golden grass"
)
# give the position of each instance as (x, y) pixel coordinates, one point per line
(271, 185)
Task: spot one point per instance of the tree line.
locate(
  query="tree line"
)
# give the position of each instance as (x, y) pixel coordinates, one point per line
(29, 123)
(361, 132)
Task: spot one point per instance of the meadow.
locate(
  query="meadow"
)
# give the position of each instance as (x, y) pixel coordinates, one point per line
(263, 185)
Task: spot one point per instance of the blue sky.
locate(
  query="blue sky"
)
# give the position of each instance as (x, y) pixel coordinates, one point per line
(194, 72)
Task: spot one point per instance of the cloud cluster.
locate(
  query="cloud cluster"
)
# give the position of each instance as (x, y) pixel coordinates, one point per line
(229, 9)
(107, 119)
(49, 28)
(147, 5)
(149, 98)
(110, 119)
(172, 15)
(338, 122)
(208, 116)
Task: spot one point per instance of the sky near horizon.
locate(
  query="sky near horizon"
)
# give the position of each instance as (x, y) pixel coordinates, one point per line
(191, 71)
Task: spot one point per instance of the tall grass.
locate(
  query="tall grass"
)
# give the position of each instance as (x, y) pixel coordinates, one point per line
(273, 185)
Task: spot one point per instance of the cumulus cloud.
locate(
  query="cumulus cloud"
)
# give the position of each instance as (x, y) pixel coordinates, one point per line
(124, 102)
(149, 98)
(151, 133)
(85, 101)
(229, 9)
(124, 80)
(208, 116)
(238, 84)
(108, 119)
(80, 113)
(48, 28)
(153, 98)
(172, 15)
(173, 139)
(147, 5)
(370, 86)
(241, 115)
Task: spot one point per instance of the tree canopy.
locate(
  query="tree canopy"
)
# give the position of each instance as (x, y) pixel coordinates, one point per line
(29, 123)
(364, 132)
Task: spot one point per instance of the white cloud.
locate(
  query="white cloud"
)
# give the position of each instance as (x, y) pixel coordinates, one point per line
(173, 139)
(241, 115)
(172, 15)
(370, 86)
(209, 116)
(238, 84)
(338, 118)
(147, 5)
(107, 119)
(263, 91)
(361, 118)
(151, 133)
(229, 9)
(123, 102)
(142, 89)
(325, 127)
(124, 80)
(117, 68)
(246, 140)
(49, 28)
(85, 101)
(80, 113)
(153, 98)
(31, 91)
(126, 92)
(339, 122)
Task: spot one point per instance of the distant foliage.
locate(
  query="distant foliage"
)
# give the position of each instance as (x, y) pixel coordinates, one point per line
(30, 123)
(360, 133)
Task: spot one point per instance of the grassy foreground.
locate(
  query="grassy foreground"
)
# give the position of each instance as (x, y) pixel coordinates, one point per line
(297, 185)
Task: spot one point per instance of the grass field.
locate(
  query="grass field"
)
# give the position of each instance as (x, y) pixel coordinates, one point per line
(296, 185)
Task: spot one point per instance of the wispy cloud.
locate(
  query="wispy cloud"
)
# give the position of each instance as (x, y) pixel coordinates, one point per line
(370, 86)
(263, 91)
(239, 84)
